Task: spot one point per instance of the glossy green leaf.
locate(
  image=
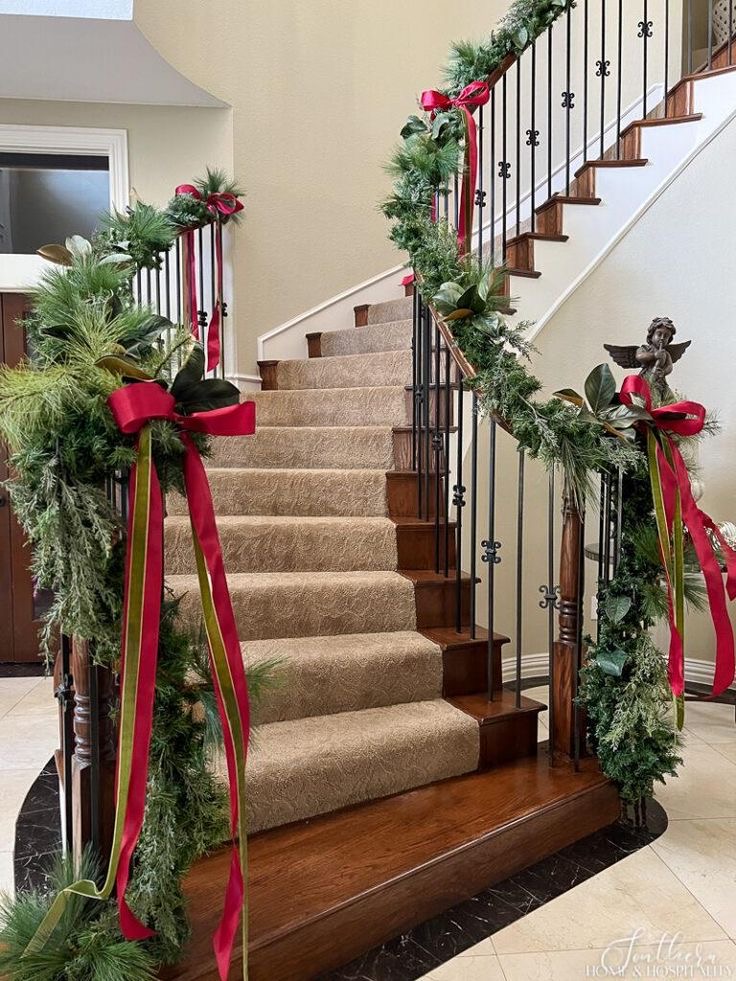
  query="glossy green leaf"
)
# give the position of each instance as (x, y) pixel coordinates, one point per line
(611, 662)
(569, 395)
(600, 388)
(123, 367)
(617, 607)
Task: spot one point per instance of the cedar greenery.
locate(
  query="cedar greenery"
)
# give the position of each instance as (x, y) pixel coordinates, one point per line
(624, 687)
(87, 337)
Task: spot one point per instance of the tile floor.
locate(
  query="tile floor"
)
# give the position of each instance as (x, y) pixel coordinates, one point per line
(29, 734)
(669, 910)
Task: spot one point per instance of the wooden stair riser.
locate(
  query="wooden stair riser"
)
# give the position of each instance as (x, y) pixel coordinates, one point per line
(404, 440)
(361, 314)
(415, 545)
(447, 405)
(520, 253)
(465, 666)
(549, 216)
(268, 371)
(681, 98)
(314, 344)
(510, 738)
(403, 495)
(436, 604)
(585, 176)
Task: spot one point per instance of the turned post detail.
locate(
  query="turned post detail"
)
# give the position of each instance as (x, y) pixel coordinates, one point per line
(93, 762)
(568, 654)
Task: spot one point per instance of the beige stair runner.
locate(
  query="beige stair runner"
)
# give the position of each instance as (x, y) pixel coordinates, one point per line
(312, 566)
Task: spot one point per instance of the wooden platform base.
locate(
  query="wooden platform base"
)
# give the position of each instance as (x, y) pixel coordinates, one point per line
(326, 890)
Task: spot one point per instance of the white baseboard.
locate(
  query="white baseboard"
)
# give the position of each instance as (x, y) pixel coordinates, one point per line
(697, 671)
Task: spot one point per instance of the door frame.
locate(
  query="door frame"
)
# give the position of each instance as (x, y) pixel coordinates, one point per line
(18, 273)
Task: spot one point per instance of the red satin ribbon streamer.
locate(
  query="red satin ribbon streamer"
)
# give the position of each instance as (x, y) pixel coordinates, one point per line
(475, 94)
(687, 419)
(133, 407)
(219, 205)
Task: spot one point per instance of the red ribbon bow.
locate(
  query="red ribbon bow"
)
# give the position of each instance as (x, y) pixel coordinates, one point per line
(687, 419)
(475, 94)
(133, 407)
(220, 205)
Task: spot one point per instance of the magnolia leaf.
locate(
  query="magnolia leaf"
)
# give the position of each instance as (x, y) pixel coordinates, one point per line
(211, 393)
(468, 299)
(413, 126)
(611, 662)
(627, 435)
(56, 253)
(460, 314)
(569, 395)
(121, 366)
(189, 375)
(600, 388)
(115, 259)
(78, 246)
(447, 296)
(617, 607)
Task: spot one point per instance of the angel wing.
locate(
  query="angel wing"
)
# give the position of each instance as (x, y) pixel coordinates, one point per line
(625, 355)
(676, 351)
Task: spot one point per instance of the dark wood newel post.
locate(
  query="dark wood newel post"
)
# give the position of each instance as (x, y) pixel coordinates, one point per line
(93, 762)
(567, 649)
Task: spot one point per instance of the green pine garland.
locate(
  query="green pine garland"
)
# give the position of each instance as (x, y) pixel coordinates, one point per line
(624, 686)
(87, 337)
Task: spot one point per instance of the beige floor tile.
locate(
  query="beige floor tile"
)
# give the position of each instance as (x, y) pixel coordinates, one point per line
(12, 691)
(728, 750)
(711, 721)
(39, 701)
(704, 788)
(27, 743)
(697, 960)
(702, 854)
(7, 881)
(638, 893)
(15, 787)
(475, 968)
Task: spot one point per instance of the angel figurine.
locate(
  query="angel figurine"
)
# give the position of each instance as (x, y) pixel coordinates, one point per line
(655, 358)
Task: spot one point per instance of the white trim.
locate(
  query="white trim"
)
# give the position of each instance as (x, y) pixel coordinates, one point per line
(250, 379)
(21, 272)
(697, 671)
(627, 226)
(321, 307)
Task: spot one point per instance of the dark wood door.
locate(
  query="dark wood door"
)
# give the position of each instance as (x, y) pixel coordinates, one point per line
(18, 623)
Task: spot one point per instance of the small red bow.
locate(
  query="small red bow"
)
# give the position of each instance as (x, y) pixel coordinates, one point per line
(218, 203)
(475, 94)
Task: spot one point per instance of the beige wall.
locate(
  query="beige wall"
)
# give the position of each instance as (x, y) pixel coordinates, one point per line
(677, 261)
(166, 145)
(319, 90)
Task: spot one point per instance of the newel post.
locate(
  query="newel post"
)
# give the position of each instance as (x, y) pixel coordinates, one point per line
(93, 762)
(568, 737)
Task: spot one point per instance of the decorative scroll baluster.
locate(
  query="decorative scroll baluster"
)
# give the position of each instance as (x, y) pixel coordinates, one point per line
(459, 501)
(519, 571)
(492, 177)
(64, 693)
(532, 134)
(619, 75)
(603, 71)
(504, 167)
(473, 513)
(568, 98)
(549, 110)
(480, 194)
(645, 32)
(490, 551)
(518, 147)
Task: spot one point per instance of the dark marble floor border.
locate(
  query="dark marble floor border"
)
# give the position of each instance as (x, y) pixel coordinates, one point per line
(23, 669)
(426, 946)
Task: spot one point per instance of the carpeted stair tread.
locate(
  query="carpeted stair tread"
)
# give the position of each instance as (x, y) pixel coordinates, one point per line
(250, 491)
(301, 768)
(289, 544)
(304, 447)
(307, 604)
(391, 310)
(325, 675)
(377, 406)
(391, 336)
(346, 371)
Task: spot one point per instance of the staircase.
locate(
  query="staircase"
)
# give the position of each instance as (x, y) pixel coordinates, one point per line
(330, 575)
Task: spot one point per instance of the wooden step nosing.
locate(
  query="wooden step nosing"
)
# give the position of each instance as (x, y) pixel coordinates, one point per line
(536, 237)
(611, 164)
(564, 199)
(430, 863)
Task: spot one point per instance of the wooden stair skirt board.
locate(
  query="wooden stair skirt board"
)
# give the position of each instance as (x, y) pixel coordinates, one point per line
(326, 890)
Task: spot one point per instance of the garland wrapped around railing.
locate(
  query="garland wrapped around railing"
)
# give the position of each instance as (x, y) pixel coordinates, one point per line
(469, 296)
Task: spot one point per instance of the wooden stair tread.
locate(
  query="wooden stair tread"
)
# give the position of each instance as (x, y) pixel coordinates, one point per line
(565, 199)
(351, 872)
(502, 706)
(525, 273)
(536, 237)
(448, 638)
(692, 117)
(639, 162)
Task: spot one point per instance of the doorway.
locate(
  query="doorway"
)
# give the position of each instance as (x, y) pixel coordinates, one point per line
(19, 623)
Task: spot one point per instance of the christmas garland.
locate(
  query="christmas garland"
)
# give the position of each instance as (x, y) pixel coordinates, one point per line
(87, 336)
(625, 687)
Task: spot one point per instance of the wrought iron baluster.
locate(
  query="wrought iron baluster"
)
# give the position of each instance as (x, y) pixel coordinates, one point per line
(446, 407)
(690, 36)
(549, 111)
(201, 313)
(178, 281)
(666, 53)
(645, 32)
(437, 446)
(601, 533)
(533, 135)
(65, 696)
(212, 284)
(473, 513)
(480, 194)
(426, 406)
(619, 75)
(585, 79)
(603, 71)
(504, 166)
(518, 146)
(492, 176)
(568, 97)
(459, 501)
(550, 604)
(519, 571)
(579, 656)
(414, 389)
(710, 34)
(730, 32)
(490, 554)
(223, 310)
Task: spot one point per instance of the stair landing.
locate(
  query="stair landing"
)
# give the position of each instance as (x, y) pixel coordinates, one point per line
(326, 890)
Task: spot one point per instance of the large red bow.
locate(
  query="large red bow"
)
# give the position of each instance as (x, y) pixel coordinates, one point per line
(220, 205)
(675, 506)
(475, 94)
(133, 407)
